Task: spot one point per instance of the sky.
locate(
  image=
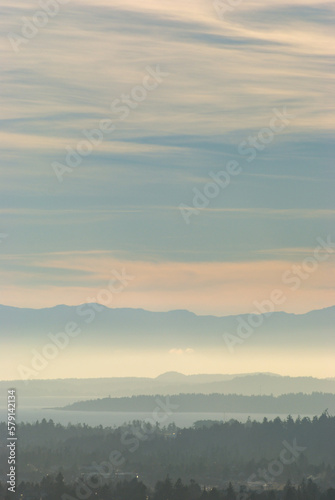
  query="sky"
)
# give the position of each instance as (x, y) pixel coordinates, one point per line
(188, 145)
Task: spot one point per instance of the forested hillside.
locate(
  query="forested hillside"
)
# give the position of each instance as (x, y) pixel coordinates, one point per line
(211, 453)
(304, 404)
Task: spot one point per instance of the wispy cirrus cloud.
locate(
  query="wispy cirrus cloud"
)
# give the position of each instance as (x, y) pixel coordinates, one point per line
(225, 78)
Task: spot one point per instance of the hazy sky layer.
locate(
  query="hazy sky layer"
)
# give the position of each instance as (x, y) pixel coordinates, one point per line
(220, 84)
(76, 361)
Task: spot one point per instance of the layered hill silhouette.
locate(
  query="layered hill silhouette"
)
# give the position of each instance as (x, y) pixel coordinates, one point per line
(121, 327)
(171, 383)
(104, 330)
(313, 404)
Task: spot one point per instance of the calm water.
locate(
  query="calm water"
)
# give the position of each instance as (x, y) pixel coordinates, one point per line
(30, 410)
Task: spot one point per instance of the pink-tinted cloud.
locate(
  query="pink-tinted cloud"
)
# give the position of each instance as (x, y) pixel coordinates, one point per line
(218, 288)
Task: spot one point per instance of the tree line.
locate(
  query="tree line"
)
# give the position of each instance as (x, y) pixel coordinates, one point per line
(211, 453)
(299, 403)
(54, 488)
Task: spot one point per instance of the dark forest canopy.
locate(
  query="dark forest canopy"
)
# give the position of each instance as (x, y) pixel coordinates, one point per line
(54, 488)
(211, 453)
